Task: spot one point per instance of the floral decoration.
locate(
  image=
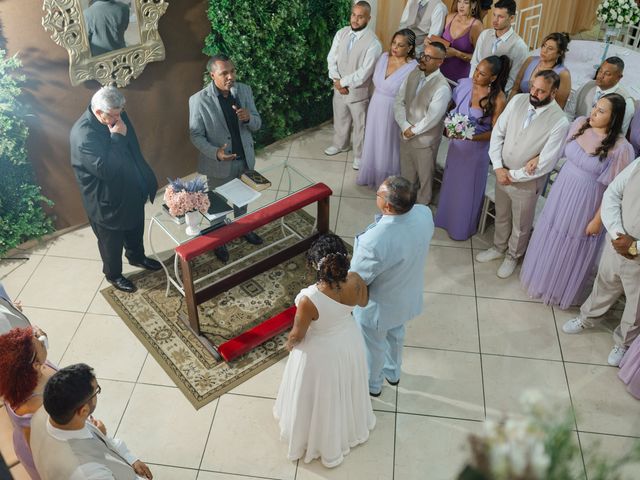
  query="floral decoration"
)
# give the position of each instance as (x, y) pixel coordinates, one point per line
(618, 13)
(182, 197)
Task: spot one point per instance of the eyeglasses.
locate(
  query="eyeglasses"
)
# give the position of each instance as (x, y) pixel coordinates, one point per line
(428, 58)
(97, 392)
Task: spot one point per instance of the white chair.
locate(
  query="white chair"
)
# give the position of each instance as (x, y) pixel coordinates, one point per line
(528, 25)
(630, 37)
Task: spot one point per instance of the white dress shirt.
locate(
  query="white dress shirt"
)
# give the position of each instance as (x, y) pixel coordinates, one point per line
(91, 471)
(438, 18)
(517, 55)
(628, 111)
(550, 152)
(361, 75)
(437, 107)
(611, 207)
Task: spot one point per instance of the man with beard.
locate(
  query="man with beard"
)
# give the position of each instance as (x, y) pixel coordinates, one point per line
(420, 106)
(501, 40)
(351, 61)
(67, 442)
(607, 81)
(526, 143)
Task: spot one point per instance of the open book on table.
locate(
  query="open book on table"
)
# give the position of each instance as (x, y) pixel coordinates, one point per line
(238, 193)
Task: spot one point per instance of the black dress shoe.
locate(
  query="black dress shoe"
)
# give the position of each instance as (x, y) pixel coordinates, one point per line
(392, 383)
(253, 238)
(147, 263)
(124, 284)
(222, 253)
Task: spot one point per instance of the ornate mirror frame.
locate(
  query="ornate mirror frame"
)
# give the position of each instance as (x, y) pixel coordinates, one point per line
(64, 20)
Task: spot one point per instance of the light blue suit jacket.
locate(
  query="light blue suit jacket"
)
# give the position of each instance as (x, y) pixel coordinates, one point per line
(390, 257)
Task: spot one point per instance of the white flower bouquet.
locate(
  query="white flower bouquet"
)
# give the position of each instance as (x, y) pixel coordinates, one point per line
(540, 445)
(618, 13)
(459, 126)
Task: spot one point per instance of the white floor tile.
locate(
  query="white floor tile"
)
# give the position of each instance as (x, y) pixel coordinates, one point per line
(63, 283)
(442, 383)
(161, 426)
(105, 343)
(313, 146)
(152, 373)
(162, 472)
(81, 243)
(59, 325)
(112, 401)
(611, 448)
(434, 445)
(243, 425)
(519, 329)
(14, 273)
(449, 270)
(355, 215)
(264, 384)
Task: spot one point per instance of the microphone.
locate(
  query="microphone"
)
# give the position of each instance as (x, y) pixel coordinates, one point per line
(234, 94)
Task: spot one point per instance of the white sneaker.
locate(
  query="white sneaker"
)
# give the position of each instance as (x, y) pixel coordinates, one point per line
(356, 164)
(489, 255)
(334, 150)
(508, 266)
(616, 354)
(574, 325)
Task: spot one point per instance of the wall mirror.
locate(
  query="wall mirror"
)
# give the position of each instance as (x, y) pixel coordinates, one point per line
(110, 41)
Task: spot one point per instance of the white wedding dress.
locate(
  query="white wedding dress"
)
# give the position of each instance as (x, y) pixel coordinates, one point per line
(323, 405)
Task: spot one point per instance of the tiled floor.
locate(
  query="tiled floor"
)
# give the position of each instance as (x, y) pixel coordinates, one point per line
(478, 345)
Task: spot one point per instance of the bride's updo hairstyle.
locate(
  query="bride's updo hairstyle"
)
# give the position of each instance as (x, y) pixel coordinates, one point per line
(329, 257)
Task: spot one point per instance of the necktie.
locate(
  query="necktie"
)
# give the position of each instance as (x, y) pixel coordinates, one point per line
(527, 120)
(421, 83)
(352, 40)
(597, 97)
(109, 447)
(421, 8)
(494, 47)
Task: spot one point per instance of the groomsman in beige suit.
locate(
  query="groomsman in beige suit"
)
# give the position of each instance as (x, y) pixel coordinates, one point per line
(607, 81)
(420, 106)
(425, 18)
(526, 143)
(351, 61)
(501, 40)
(619, 270)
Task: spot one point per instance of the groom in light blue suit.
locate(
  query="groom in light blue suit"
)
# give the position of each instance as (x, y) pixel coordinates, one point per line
(390, 256)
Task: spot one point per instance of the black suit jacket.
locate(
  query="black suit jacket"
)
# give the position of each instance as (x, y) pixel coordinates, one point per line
(109, 169)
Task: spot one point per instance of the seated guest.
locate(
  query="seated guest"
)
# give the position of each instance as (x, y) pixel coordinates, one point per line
(420, 106)
(381, 151)
(11, 315)
(501, 40)
(425, 18)
(552, 52)
(462, 30)
(607, 80)
(634, 130)
(567, 240)
(67, 442)
(482, 99)
(619, 270)
(323, 405)
(24, 371)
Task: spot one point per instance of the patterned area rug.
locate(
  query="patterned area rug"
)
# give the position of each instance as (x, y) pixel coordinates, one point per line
(159, 320)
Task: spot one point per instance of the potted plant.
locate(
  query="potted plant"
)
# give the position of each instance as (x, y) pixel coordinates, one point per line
(188, 198)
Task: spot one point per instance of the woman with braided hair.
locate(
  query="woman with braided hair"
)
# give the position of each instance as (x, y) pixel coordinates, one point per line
(560, 262)
(323, 405)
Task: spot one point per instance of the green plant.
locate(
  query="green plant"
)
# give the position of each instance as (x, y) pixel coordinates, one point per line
(279, 48)
(21, 213)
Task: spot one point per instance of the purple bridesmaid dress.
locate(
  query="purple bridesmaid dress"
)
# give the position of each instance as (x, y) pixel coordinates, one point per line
(630, 369)
(454, 68)
(20, 445)
(561, 258)
(634, 130)
(381, 151)
(465, 173)
(526, 77)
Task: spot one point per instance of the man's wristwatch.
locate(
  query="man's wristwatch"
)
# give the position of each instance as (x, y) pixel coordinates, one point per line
(633, 249)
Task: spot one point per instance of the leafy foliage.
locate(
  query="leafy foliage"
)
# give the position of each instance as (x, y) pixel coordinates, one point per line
(279, 48)
(21, 214)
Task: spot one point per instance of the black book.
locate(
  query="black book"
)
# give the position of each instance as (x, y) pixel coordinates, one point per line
(218, 207)
(255, 180)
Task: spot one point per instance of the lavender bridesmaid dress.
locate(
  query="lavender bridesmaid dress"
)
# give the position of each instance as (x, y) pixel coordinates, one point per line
(381, 151)
(465, 173)
(526, 77)
(561, 258)
(630, 369)
(454, 68)
(20, 445)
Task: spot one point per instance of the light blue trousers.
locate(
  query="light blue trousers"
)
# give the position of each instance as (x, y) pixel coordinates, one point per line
(384, 355)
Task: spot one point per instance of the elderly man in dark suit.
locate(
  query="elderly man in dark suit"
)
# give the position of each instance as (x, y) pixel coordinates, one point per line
(115, 182)
(222, 119)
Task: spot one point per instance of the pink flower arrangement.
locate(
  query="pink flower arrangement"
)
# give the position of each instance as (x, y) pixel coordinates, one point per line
(182, 197)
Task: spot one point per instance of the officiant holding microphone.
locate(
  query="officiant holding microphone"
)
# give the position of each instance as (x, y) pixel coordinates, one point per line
(222, 119)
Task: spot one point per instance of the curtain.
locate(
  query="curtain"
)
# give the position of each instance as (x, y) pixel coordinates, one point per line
(570, 16)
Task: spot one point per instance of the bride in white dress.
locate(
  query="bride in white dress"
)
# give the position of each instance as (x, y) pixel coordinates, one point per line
(323, 405)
